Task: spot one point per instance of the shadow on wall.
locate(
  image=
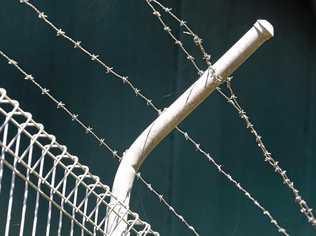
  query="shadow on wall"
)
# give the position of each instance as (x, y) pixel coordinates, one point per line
(314, 6)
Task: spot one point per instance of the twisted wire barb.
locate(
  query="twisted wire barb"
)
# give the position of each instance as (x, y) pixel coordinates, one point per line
(206, 57)
(61, 105)
(101, 141)
(109, 70)
(232, 99)
(228, 176)
(305, 209)
(36, 157)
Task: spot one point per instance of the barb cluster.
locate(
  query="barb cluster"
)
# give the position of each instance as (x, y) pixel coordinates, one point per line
(61, 105)
(109, 70)
(232, 99)
(305, 209)
(101, 141)
(197, 41)
(234, 182)
(206, 57)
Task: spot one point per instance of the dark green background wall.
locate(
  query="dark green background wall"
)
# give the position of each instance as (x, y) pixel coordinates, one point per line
(277, 87)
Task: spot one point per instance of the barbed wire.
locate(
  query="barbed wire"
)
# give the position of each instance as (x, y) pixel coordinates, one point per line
(232, 99)
(183, 24)
(61, 105)
(206, 57)
(305, 209)
(101, 141)
(235, 182)
(94, 57)
(88, 129)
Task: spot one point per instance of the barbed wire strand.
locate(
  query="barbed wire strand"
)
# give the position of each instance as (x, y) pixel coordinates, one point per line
(232, 99)
(125, 80)
(101, 141)
(77, 44)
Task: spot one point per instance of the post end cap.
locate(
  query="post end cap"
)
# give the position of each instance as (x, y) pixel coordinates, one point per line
(265, 27)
